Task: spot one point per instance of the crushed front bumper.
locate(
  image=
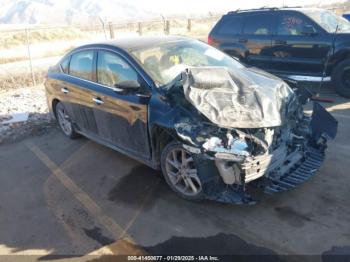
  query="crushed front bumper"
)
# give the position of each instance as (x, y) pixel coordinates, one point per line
(293, 168)
(298, 174)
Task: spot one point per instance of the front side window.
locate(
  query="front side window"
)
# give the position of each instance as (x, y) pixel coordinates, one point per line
(112, 69)
(81, 64)
(257, 25)
(292, 24)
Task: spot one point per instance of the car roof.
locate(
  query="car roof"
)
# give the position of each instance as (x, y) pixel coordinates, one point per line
(273, 9)
(140, 42)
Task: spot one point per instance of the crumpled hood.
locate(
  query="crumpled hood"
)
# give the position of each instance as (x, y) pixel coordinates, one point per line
(243, 98)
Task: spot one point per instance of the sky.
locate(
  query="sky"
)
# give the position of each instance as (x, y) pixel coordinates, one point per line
(61, 11)
(218, 6)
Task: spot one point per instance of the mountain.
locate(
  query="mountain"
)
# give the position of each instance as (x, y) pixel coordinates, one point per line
(68, 12)
(86, 11)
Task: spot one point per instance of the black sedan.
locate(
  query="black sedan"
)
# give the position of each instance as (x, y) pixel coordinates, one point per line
(209, 123)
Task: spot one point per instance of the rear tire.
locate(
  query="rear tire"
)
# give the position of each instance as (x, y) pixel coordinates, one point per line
(180, 173)
(65, 122)
(341, 78)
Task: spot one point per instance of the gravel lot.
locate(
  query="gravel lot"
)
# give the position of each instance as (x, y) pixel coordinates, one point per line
(29, 100)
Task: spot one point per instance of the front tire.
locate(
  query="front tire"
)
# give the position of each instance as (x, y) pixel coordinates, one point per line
(341, 78)
(180, 173)
(65, 122)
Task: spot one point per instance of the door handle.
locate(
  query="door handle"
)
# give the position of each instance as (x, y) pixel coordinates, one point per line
(98, 100)
(64, 90)
(242, 40)
(280, 42)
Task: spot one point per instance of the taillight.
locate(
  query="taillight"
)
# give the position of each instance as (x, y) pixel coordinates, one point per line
(210, 40)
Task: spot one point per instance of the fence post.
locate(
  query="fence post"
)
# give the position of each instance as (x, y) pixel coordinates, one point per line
(139, 30)
(111, 30)
(103, 26)
(167, 27)
(189, 25)
(30, 57)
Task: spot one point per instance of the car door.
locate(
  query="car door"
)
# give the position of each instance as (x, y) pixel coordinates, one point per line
(77, 90)
(299, 45)
(121, 115)
(256, 37)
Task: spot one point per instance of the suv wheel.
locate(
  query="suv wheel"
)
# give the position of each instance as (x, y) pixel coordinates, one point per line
(64, 121)
(341, 78)
(180, 172)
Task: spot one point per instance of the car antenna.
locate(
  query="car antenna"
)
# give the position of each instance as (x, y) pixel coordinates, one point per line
(317, 95)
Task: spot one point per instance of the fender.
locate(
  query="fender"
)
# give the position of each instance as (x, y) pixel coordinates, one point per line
(341, 51)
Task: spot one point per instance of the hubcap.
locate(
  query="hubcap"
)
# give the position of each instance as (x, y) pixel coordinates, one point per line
(182, 172)
(64, 120)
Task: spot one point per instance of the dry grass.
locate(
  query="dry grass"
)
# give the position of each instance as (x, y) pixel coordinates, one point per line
(5, 60)
(20, 80)
(11, 39)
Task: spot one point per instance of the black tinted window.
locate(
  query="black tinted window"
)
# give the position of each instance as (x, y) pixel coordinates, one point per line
(257, 25)
(231, 26)
(112, 69)
(65, 64)
(81, 64)
(293, 24)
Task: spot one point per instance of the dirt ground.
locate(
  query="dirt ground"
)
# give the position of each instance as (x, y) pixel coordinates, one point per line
(78, 198)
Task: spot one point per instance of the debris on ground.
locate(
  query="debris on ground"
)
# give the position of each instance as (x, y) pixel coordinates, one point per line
(23, 112)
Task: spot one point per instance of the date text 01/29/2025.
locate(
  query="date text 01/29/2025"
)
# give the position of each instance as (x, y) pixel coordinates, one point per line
(173, 258)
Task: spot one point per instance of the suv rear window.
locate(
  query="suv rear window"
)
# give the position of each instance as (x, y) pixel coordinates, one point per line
(231, 26)
(257, 25)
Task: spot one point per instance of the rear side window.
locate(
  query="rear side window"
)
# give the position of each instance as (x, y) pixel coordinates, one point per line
(292, 24)
(65, 65)
(231, 26)
(81, 64)
(257, 25)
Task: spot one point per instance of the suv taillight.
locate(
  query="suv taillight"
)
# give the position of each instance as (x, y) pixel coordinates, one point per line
(210, 40)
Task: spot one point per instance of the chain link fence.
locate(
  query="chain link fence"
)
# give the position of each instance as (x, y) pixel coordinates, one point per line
(26, 53)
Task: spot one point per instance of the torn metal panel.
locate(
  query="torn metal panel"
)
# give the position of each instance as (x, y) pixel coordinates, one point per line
(240, 98)
(323, 123)
(213, 186)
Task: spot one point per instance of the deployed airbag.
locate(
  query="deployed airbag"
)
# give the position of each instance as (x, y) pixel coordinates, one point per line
(239, 99)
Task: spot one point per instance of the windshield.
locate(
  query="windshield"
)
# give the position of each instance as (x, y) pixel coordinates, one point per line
(328, 20)
(164, 62)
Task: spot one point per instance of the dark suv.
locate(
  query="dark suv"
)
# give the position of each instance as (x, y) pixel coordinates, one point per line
(302, 44)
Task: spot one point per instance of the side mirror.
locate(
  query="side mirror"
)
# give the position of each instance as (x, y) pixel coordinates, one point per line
(309, 30)
(129, 85)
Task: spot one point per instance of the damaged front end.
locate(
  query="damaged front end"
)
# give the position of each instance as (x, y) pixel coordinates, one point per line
(252, 130)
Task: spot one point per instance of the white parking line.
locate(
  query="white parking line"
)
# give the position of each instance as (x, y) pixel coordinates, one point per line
(125, 243)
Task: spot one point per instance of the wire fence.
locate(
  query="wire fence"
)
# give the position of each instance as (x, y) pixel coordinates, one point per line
(26, 53)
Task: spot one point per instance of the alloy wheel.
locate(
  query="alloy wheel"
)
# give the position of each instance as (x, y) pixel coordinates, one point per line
(182, 173)
(64, 120)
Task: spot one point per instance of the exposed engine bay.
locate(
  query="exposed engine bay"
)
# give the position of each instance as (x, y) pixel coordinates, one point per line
(253, 130)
